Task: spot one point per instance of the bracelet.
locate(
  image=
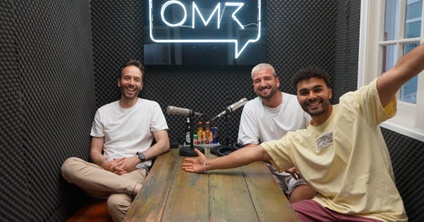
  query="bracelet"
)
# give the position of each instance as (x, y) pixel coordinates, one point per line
(204, 166)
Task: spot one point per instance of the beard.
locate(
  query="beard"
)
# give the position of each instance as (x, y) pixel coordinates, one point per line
(271, 93)
(321, 108)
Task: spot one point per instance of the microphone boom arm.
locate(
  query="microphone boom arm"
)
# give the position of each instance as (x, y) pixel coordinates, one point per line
(233, 107)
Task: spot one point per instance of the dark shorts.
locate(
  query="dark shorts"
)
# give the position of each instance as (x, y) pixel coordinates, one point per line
(309, 210)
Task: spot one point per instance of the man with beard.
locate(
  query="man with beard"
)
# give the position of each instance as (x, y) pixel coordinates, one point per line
(342, 154)
(270, 116)
(121, 145)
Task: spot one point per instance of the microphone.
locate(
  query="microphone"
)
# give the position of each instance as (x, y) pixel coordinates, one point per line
(231, 108)
(172, 110)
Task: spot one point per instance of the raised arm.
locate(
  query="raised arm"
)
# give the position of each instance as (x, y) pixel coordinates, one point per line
(406, 68)
(238, 158)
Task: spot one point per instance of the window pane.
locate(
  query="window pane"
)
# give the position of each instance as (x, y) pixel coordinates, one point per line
(413, 18)
(391, 19)
(389, 57)
(408, 92)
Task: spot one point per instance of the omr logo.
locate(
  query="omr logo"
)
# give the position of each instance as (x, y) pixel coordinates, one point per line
(206, 21)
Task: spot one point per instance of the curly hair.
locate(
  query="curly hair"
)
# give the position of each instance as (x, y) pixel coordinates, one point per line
(310, 72)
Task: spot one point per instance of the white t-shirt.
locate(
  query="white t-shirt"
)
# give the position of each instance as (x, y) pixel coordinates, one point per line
(259, 122)
(128, 130)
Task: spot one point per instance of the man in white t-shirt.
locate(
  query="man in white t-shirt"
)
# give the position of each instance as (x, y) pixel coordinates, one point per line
(269, 117)
(121, 145)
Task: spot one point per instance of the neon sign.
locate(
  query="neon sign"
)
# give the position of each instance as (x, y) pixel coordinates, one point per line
(172, 21)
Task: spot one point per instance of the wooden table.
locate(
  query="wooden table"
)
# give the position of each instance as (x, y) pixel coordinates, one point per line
(248, 193)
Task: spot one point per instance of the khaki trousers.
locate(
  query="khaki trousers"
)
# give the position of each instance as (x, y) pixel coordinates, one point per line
(99, 183)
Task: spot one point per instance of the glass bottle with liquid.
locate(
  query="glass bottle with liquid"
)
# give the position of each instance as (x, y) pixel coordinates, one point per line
(208, 133)
(200, 133)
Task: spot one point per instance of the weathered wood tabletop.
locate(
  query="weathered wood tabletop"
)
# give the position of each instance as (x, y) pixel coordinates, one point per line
(248, 193)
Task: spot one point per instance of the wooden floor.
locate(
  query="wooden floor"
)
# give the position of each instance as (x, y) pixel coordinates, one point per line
(93, 210)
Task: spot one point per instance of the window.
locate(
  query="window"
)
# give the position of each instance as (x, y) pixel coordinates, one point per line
(389, 30)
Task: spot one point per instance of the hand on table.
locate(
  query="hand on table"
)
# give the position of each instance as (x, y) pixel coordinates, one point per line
(195, 165)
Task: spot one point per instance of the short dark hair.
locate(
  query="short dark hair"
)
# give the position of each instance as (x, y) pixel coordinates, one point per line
(132, 62)
(310, 72)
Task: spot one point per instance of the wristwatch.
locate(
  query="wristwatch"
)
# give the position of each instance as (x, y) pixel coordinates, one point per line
(141, 156)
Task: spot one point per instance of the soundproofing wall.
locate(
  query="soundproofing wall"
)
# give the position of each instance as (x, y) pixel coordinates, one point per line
(299, 34)
(347, 48)
(407, 159)
(47, 105)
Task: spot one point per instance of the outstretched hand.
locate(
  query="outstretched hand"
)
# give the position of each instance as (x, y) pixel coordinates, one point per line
(194, 165)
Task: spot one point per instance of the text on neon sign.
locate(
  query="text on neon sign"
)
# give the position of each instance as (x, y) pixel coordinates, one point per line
(180, 22)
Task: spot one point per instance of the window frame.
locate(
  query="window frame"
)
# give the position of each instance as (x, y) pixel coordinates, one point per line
(409, 120)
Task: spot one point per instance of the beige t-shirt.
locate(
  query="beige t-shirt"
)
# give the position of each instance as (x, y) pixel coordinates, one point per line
(346, 159)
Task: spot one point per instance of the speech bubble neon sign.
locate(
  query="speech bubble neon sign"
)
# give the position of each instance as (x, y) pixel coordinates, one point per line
(189, 22)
